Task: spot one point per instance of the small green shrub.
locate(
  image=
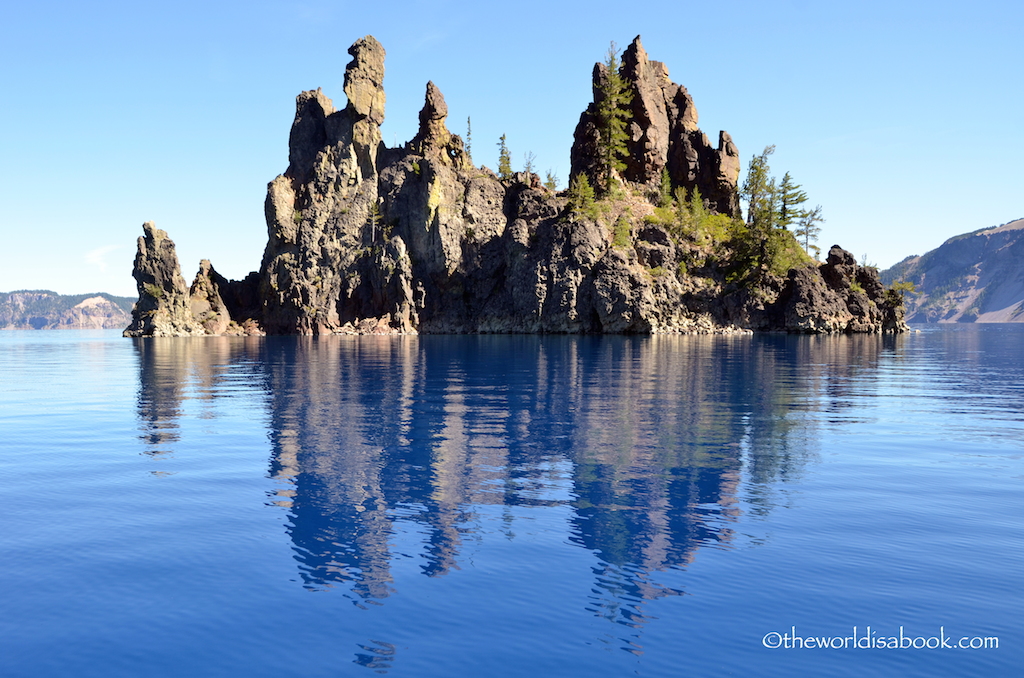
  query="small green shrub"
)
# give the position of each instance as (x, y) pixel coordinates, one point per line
(581, 195)
(898, 290)
(621, 233)
(663, 216)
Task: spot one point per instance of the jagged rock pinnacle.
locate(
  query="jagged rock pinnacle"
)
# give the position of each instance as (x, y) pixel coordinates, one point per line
(432, 132)
(163, 306)
(364, 80)
(433, 137)
(663, 134)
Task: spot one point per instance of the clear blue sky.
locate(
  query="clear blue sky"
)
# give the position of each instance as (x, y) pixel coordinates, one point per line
(902, 119)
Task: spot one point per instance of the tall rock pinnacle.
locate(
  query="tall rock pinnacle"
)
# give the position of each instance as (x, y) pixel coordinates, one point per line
(663, 134)
(433, 138)
(364, 80)
(163, 308)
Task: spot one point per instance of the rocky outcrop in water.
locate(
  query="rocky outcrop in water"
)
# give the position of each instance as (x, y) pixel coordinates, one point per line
(367, 239)
(975, 277)
(163, 309)
(838, 296)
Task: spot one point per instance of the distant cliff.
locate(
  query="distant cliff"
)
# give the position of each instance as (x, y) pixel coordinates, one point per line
(974, 277)
(46, 310)
(368, 239)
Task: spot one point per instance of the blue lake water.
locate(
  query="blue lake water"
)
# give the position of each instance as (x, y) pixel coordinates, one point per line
(512, 506)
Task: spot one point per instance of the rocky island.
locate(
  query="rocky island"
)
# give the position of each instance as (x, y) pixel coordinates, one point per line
(369, 239)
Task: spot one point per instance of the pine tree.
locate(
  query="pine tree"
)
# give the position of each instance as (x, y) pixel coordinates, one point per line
(790, 197)
(682, 208)
(581, 193)
(504, 161)
(698, 211)
(807, 230)
(760, 191)
(374, 219)
(551, 182)
(469, 140)
(528, 161)
(771, 207)
(612, 118)
(665, 189)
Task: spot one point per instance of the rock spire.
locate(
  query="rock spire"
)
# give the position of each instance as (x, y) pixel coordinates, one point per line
(663, 134)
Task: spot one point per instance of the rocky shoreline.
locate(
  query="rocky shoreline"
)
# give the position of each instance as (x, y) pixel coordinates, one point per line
(365, 239)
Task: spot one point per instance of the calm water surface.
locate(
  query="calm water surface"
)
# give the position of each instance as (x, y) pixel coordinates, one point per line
(510, 506)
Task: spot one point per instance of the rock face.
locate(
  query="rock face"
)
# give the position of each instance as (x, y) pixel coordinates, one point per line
(840, 296)
(47, 310)
(367, 239)
(663, 135)
(975, 277)
(163, 308)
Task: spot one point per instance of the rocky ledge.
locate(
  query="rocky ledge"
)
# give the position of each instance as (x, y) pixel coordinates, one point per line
(369, 239)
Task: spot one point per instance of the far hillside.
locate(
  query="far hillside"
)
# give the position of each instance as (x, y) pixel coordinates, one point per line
(47, 310)
(974, 277)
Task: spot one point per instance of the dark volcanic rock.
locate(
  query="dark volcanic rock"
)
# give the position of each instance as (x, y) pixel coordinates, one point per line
(225, 306)
(838, 296)
(811, 305)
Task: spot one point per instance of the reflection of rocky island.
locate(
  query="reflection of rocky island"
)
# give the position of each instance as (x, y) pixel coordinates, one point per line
(363, 238)
(648, 441)
(171, 372)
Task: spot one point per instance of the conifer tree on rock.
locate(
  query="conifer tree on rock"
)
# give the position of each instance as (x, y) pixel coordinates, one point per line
(790, 197)
(504, 161)
(807, 230)
(612, 118)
